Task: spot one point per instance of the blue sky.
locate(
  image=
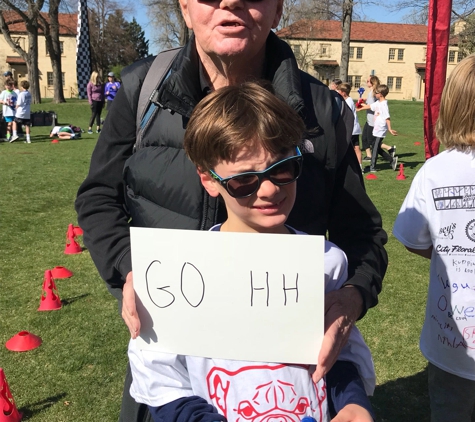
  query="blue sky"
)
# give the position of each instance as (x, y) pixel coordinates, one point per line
(374, 13)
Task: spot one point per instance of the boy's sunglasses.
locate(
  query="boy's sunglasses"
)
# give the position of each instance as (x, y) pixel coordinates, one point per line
(246, 184)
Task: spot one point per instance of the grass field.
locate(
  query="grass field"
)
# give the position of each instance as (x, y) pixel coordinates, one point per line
(77, 373)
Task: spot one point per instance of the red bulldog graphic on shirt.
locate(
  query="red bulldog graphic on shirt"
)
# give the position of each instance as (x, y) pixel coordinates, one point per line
(243, 396)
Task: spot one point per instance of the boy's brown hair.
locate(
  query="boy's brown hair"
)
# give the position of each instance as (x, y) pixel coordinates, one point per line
(345, 87)
(455, 127)
(383, 90)
(9, 82)
(25, 84)
(236, 117)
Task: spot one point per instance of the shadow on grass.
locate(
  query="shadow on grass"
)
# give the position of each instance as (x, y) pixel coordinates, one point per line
(66, 302)
(404, 399)
(35, 408)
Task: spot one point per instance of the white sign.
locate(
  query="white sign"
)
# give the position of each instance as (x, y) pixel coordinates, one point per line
(242, 296)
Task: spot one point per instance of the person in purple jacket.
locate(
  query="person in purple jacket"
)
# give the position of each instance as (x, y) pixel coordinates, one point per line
(95, 95)
(111, 88)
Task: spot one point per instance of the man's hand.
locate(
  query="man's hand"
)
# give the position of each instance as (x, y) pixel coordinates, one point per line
(342, 308)
(129, 311)
(353, 413)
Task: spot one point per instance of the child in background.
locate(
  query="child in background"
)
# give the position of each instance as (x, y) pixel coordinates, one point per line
(234, 130)
(8, 98)
(22, 116)
(64, 132)
(382, 124)
(437, 221)
(344, 90)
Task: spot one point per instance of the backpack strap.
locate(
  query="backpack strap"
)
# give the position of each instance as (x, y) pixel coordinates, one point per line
(158, 72)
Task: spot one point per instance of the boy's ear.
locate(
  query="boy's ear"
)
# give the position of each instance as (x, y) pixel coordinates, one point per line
(210, 184)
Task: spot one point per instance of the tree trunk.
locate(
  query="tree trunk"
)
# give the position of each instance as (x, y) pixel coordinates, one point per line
(53, 46)
(345, 38)
(32, 62)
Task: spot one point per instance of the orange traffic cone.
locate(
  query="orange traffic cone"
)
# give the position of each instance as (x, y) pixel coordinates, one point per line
(401, 175)
(50, 300)
(72, 246)
(77, 231)
(8, 410)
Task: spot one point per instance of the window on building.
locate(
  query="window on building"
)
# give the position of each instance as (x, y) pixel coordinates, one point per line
(49, 78)
(61, 46)
(394, 83)
(297, 50)
(459, 56)
(325, 50)
(354, 80)
(396, 54)
(452, 56)
(356, 52)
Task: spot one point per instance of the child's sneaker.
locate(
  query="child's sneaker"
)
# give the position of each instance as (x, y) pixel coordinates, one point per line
(98, 131)
(392, 151)
(394, 163)
(14, 138)
(89, 131)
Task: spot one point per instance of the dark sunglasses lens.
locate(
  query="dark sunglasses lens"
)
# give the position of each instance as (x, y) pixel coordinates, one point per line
(242, 186)
(285, 173)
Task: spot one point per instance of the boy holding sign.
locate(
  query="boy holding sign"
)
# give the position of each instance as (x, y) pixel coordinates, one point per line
(245, 144)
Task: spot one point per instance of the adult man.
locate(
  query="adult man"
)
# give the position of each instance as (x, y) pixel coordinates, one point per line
(157, 186)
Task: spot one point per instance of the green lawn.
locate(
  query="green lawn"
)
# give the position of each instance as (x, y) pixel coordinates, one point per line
(77, 373)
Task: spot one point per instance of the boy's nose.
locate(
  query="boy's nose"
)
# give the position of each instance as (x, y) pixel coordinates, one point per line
(267, 189)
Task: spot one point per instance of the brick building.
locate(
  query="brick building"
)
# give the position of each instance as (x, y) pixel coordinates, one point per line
(396, 53)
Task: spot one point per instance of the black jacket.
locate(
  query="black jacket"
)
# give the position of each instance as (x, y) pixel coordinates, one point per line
(157, 186)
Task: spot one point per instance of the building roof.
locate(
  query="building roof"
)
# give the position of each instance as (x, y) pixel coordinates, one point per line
(15, 60)
(330, 30)
(329, 63)
(67, 23)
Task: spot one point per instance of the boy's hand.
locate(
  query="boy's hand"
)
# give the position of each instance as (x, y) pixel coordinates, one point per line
(392, 132)
(129, 310)
(353, 413)
(342, 308)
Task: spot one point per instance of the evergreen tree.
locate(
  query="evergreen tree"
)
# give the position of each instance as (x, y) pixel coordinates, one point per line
(137, 38)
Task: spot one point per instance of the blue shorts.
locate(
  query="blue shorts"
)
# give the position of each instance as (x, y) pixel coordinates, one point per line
(9, 119)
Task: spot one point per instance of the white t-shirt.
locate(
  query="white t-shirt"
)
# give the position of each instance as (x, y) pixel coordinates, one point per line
(370, 113)
(356, 125)
(381, 113)
(23, 105)
(439, 210)
(242, 390)
(9, 108)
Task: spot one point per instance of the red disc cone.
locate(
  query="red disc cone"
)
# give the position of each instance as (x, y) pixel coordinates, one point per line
(8, 410)
(371, 176)
(55, 141)
(50, 300)
(417, 143)
(61, 272)
(401, 175)
(77, 231)
(23, 341)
